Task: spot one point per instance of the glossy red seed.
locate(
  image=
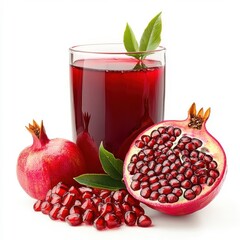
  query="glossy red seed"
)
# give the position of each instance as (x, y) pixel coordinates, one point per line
(54, 211)
(106, 208)
(46, 207)
(74, 219)
(61, 189)
(55, 198)
(112, 220)
(135, 185)
(75, 209)
(197, 189)
(68, 199)
(131, 200)
(100, 223)
(37, 206)
(88, 217)
(63, 213)
(189, 194)
(145, 192)
(130, 218)
(144, 221)
(138, 210)
(165, 190)
(74, 190)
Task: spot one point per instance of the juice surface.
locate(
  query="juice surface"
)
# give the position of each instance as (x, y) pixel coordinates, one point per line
(121, 99)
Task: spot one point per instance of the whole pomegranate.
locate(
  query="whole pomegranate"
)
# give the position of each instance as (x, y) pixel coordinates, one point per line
(47, 162)
(176, 167)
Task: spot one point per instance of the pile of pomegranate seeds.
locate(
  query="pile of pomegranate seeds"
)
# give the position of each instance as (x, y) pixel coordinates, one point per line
(167, 168)
(100, 208)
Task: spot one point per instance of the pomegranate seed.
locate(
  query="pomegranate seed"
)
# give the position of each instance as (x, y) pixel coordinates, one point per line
(63, 213)
(138, 210)
(190, 146)
(212, 165)
(37, 206)
(100, 223)
(213, 173)
(177, 191)
(172, 198)
(135, 185)
(177, 132)
(186, 184)
(68, 199)
(155, 186)
(104, 193)
(86, 195)
(145, 138)
(55, 198)
(210, 181)
(145, 192)
(155, 134)
(188, 173)
(88, 216)
(165, 190)
(119, 195)
(75, 209)
(54, 211)
(130, 218)
(197, 142)
(126, 207)
(154, 195)
(74, 190)
(162, 198)
(112, 220)
(74, 219)
(46, 207)
(106, 208)
(144, 221)
(189, 194)
(88, 204)
(61, 189)
(174, 183)
(197, 189)
(131, 168)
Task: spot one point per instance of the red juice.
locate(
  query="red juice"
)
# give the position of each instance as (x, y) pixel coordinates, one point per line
(121, 99)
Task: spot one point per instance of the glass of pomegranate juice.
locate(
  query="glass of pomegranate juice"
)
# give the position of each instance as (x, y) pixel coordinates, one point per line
(115, 96)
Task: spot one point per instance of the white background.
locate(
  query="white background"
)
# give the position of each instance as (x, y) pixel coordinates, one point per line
(202, 41)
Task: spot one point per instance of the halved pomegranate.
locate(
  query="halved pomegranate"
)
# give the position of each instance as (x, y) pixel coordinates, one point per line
(176, 167)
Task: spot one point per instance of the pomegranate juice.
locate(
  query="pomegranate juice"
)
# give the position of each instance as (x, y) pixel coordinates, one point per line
(121, 98)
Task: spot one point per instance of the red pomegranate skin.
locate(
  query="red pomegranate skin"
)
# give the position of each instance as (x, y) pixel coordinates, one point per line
(47, 162)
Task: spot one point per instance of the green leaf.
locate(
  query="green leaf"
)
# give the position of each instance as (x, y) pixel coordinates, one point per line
(151, 36)
(111, 165)
(102, 181)
(130, 41)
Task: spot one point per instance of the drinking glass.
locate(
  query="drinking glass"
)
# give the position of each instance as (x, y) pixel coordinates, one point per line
(114, 95)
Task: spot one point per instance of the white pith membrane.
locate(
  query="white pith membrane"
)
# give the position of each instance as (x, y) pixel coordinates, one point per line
(206, 162)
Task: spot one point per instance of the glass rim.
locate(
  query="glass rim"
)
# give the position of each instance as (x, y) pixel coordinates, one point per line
(77, 49)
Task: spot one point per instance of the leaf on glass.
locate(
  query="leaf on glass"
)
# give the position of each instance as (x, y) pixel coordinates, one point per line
(111, 165)
(102, 181)
(130, 41)
(151, 36)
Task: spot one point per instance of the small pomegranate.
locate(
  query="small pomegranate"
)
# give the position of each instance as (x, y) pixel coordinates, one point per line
(47, 162)
(88, 148)
(176, 167)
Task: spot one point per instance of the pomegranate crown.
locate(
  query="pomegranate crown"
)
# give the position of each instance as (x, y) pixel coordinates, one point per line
(38, 132)
(197, 119)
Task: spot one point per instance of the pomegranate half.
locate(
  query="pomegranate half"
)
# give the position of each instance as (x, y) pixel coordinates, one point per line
(176, 167)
